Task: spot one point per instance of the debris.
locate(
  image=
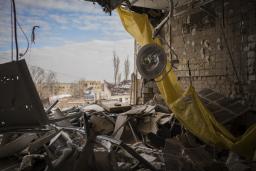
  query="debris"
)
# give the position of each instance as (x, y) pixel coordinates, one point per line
(150, 123)
(113, 136)
(162, 108)
(129, 150)
(101, 125)
(57, 114)
(119, 126)
(29, 161)
(17, 145)
(179, 156)
(223, 108)
(114, 107)
(51, 107)
(93, 107)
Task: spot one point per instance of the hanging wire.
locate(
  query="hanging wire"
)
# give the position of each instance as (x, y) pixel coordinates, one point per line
(172, 51)
(188, 64)
(227, 47)
(23, 54)
(32, 38)
(158, 28)
(15, 29)
(33, 35)
(11, 32)
(232, 60)
(190, 75)
(15, 22)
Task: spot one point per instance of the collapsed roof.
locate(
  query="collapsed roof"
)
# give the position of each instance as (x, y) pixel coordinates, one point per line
(109, 5)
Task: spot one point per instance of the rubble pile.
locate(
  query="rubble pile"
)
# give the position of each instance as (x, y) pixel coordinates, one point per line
(108, 135)
(144, 137)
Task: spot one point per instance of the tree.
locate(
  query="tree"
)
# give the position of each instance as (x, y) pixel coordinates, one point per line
(75, 89)
(116, 64)
(50, 80)
(51, 77)
(37, 74)
(119, 78)
(43, 80)
(126, 68)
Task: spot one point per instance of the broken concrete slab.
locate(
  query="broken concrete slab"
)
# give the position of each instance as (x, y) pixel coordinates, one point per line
(115, 107)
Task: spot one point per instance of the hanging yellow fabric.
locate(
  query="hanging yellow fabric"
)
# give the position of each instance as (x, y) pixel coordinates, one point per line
(186, 105)
(139, 27)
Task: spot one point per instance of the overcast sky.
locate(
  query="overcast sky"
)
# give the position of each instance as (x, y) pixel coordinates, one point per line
(76, 39)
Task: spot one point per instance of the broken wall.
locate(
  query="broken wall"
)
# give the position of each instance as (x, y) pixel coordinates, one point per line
(195, 34)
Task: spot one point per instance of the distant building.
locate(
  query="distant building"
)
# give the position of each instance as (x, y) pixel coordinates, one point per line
(63, 88)
(120, 92)
(46, 90)
(91, 89)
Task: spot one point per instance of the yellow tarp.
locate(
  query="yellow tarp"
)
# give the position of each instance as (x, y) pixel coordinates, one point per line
(186, 105)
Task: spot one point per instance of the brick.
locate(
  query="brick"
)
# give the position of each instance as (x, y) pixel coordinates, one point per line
(242, 45)
(250, 70)
(246, 48)
(252, 77)
(251, 54)
(252, 38)
(252, 45)
(251, 61)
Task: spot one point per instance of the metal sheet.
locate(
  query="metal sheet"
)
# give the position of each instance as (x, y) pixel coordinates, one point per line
(20, 105)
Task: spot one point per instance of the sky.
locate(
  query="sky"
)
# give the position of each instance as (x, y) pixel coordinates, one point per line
(76, 39)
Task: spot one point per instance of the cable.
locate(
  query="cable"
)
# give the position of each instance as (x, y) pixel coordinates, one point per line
(23, 54)
(12, 31)
(158, 28)
(33, 36)
(15, 22)
(228, 50)
(15, 30)
(232, 60)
